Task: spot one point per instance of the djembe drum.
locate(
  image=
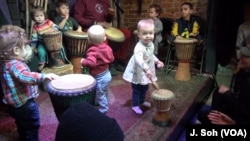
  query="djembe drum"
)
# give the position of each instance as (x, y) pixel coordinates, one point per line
(53, 43)
(70, 89)
(184, 52)
(115, 37)
(162, 101)
(76, 45)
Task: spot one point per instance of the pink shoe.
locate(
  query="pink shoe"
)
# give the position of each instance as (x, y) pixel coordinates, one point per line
(137, 110)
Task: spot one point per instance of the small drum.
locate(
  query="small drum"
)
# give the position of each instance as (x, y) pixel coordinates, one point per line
(53, 43)
(184, 52)
(70, 89)
(115, 38)
(76, 46)
(162, 101)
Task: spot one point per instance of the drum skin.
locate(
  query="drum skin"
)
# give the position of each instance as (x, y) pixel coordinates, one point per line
(70, 89)
(114, 34)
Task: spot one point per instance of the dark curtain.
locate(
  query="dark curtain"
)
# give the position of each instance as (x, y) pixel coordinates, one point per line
(224, 17)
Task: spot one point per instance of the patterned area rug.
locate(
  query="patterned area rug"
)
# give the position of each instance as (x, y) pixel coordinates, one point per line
(135, 127)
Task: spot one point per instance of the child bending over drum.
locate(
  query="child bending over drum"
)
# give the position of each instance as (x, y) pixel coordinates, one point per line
(18, 83)
(140, 71)
(42, 25)
(64, 20)
(99, 57)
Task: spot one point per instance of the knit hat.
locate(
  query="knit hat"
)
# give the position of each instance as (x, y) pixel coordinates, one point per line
(83, 122)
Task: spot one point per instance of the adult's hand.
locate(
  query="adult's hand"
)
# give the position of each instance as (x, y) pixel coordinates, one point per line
(219, 118)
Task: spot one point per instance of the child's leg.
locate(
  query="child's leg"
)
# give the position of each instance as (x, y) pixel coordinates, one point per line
(27, 120)
(103, 81)
(136, 98)
(42, 56)
(42, 53)
(143, 90)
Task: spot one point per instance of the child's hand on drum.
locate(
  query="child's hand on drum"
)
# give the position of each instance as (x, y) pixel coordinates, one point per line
(159, 64)
(51, 76)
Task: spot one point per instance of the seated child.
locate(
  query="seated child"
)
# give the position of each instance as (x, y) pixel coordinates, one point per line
(64, 20)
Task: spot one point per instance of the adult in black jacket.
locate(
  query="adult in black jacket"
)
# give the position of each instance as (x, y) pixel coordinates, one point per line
(228, 108)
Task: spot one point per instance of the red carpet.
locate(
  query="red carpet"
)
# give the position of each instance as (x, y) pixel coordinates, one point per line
(135, 127)
(120, 109)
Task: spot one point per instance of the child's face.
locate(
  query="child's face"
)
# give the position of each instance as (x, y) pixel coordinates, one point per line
(63, 10)
(23, 51)
(39, 17)
(152, 13)
(146, 34)
(186, 11)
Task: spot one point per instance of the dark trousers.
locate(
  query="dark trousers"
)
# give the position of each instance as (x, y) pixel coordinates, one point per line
(139, 94)
(27, 120)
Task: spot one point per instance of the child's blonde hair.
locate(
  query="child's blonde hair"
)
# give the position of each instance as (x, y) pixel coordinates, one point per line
(145, 23)
(11, 36)
(96, 34)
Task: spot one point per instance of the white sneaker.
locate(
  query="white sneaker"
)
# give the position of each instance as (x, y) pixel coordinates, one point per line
(146, 104)
(137, 110)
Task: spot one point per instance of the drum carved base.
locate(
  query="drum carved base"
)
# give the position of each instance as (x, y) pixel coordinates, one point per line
(161, 119)
(183, 72)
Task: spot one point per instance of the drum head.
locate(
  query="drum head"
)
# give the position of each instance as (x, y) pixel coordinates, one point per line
(74, 34)
(114, 34)
(162, 94)
(73, 82)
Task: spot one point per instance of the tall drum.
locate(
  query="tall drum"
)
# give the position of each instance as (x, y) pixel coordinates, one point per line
(76, 46)
(184, 52)
(70, 89)
(53, 43)
(162, 101)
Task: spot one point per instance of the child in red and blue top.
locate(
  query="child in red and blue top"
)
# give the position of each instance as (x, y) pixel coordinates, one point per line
(41, 26)
(19, 84)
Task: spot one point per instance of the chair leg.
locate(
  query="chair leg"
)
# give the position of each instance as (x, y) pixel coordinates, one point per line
(202, 60)
(168, 60)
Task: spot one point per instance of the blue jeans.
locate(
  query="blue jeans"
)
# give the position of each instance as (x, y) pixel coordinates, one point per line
(139, 94)
(103, 80)
(27, 120)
